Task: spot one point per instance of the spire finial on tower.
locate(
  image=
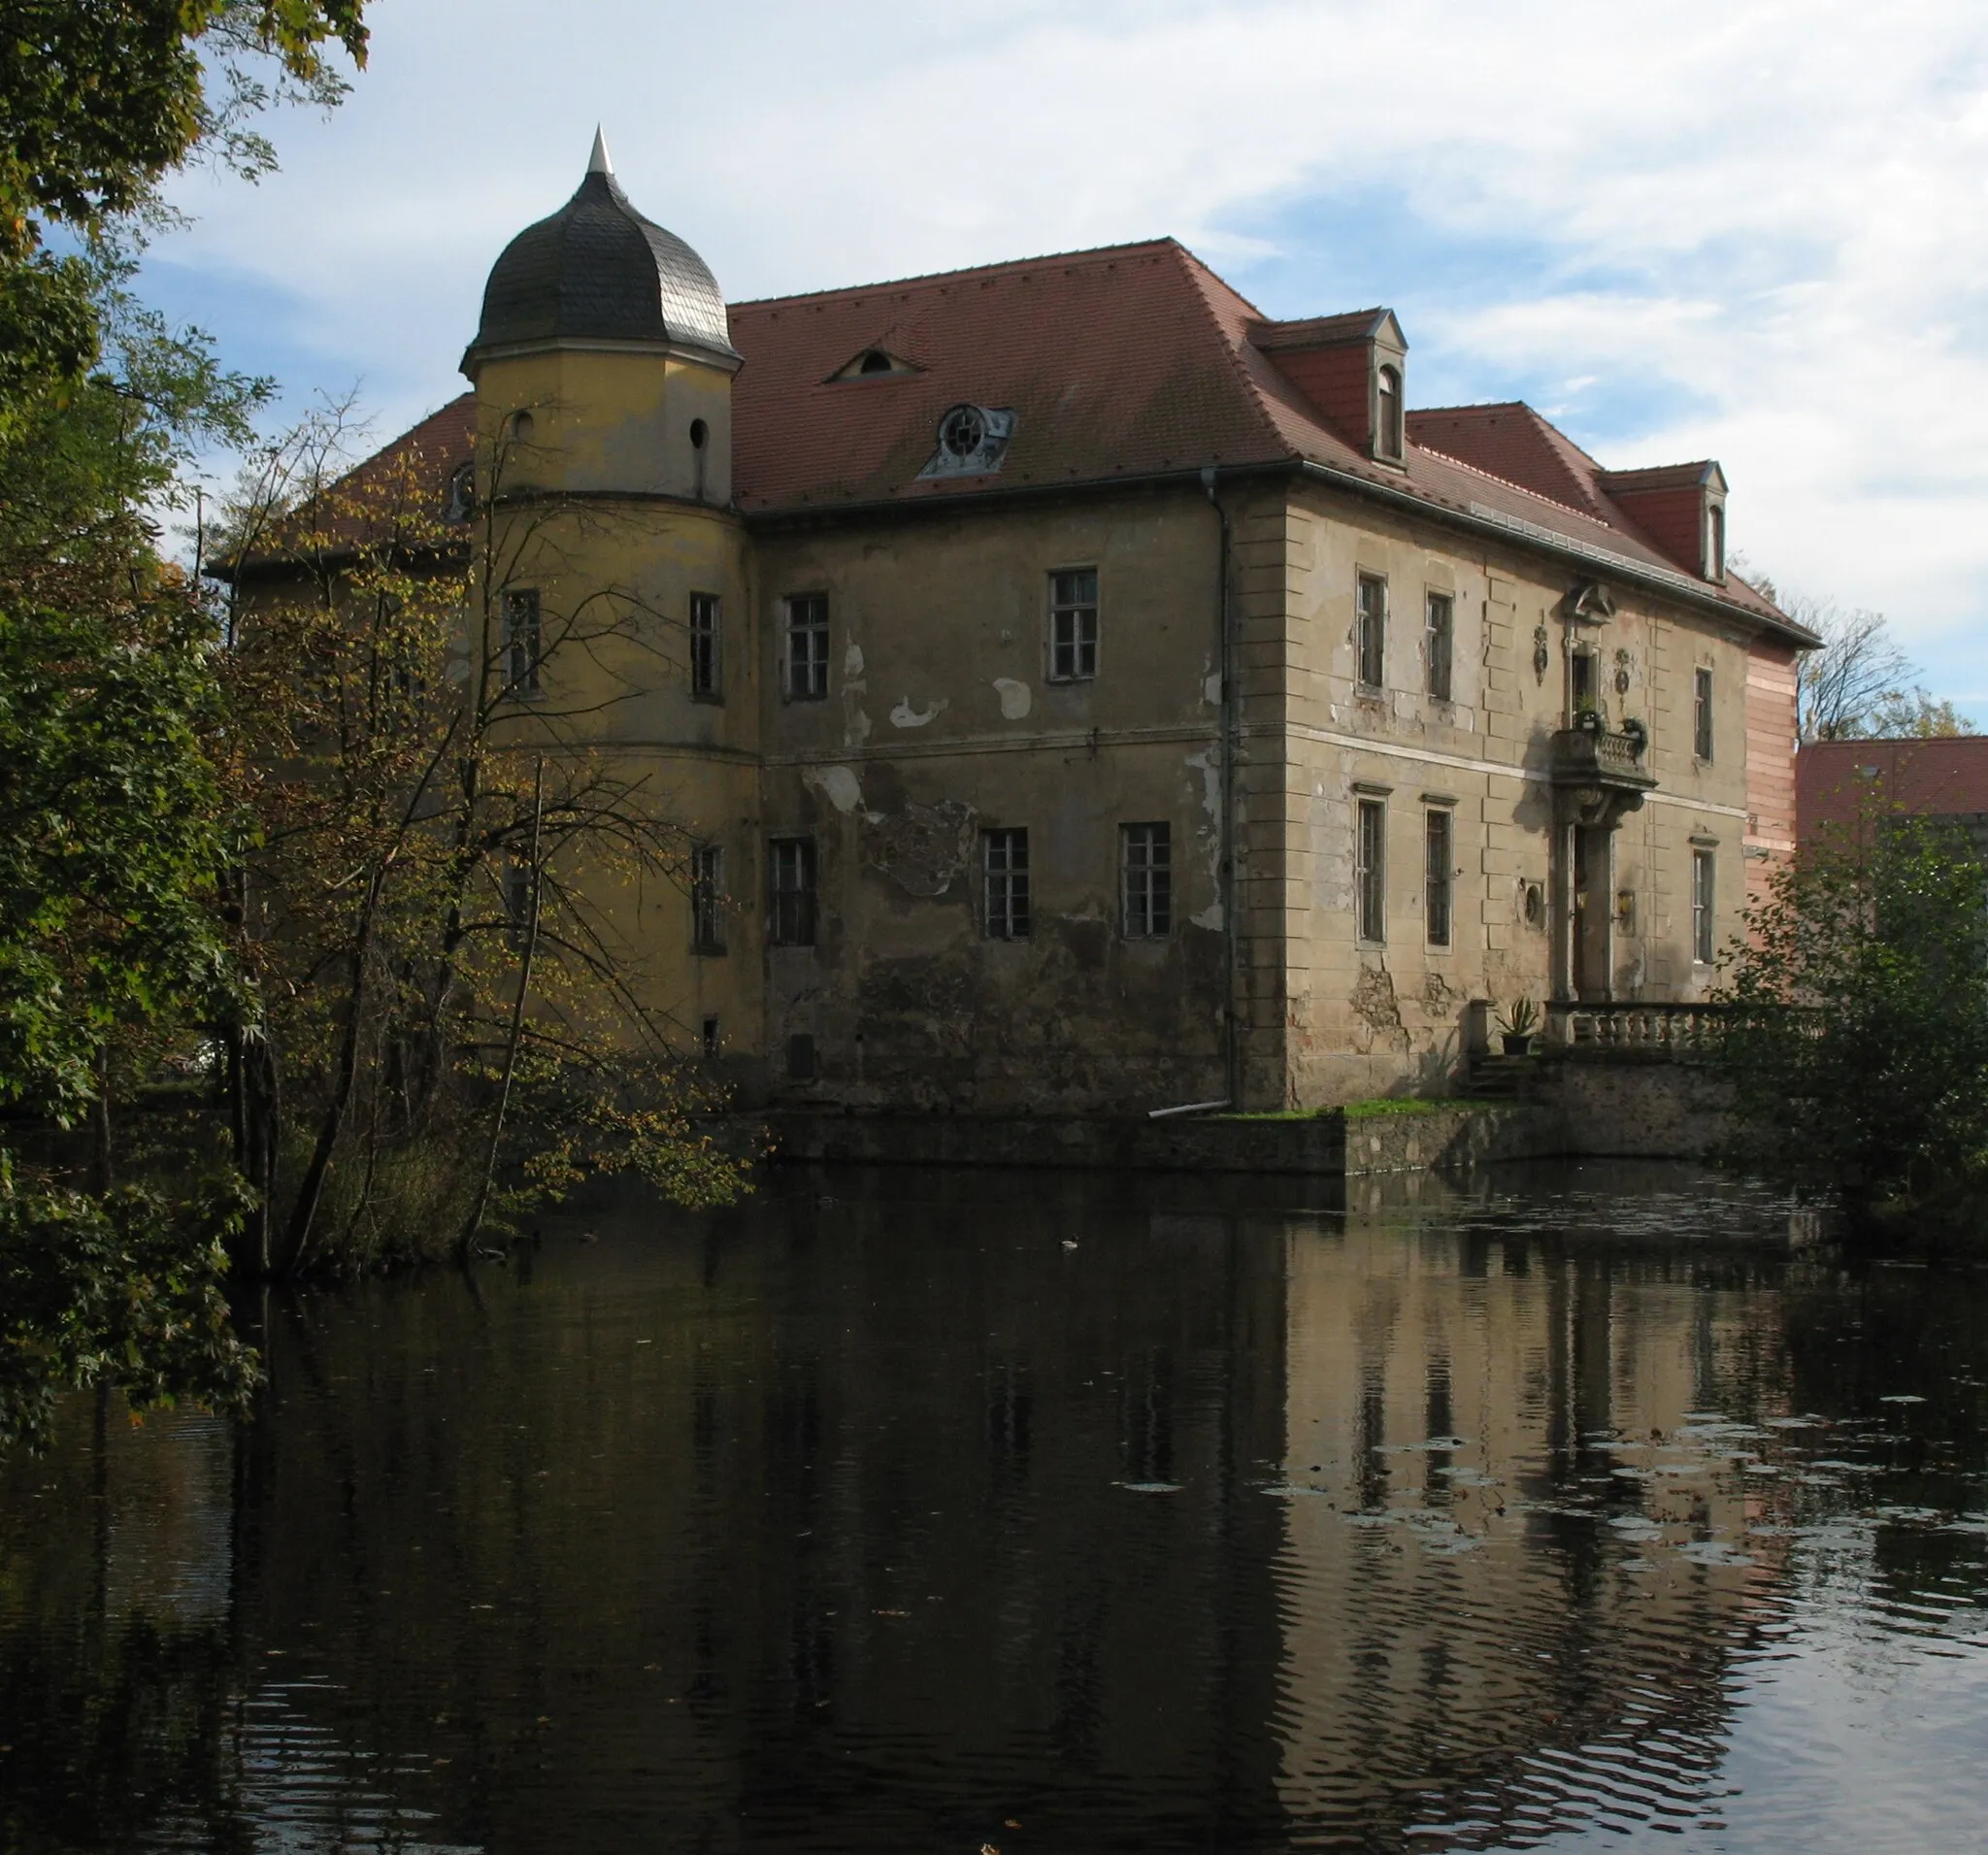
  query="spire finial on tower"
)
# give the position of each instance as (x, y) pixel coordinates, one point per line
(598, 162)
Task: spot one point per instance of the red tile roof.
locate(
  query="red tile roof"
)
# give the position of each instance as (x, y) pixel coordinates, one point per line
(1318, 331)
(1928, 778)
(366, 503)
(1513, 442)
(1134, 360)
(1110, 360)
(1130, 361)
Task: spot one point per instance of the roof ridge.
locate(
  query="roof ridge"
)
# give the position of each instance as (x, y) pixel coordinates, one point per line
(1524, 489)
(1558, 444)
(1208, 271)
(1253, 393)
(1472, 405)
(1087, 254)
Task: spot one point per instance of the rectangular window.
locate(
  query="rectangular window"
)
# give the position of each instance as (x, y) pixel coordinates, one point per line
(1438, 642)
(1073, 625)
(1370, 869)
(1582, 683)
(707, 663)
(790, 881)
(1005, 869)
(806, 679)
(1438, 862)
(522, 641)
(708, 899)
(1702, 714)
(1370, 632)
(1147, 857)
(713, 1043)
(1701, 923)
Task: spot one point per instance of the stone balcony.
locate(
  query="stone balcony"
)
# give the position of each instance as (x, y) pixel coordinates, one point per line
(1598, 775)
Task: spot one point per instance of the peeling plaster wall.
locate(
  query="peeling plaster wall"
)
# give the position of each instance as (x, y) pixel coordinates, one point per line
(942, 722)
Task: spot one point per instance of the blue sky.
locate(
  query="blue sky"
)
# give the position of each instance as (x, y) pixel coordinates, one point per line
(1757, 234)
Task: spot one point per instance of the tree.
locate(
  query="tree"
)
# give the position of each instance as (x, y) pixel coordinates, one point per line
(1858, 1050)
(1901, 714)
(99, 101)
(112, 829)
(1859, 685)
(425, 898)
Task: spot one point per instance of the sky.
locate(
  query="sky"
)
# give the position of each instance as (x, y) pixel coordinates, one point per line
(1756, 232)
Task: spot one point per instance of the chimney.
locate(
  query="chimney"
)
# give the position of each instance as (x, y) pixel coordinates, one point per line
(1353, 370)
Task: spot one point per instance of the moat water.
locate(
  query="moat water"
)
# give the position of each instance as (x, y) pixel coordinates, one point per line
(958, 1513)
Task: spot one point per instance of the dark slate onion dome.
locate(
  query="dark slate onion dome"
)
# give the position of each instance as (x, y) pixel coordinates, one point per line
(598, 271)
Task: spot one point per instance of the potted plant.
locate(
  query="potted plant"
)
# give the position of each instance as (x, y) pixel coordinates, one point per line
(1638, 735)
(1516, 1023)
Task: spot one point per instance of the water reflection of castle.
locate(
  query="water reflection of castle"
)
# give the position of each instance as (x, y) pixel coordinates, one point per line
(1479, 1585)
(874, 1522)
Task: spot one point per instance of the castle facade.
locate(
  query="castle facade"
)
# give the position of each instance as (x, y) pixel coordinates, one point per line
(1087, 694)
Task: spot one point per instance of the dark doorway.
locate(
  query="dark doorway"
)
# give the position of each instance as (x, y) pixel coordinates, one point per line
(1589, 952)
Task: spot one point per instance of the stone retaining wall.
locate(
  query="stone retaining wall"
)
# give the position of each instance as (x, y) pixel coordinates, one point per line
(1326, 1144)
(1571, 1109)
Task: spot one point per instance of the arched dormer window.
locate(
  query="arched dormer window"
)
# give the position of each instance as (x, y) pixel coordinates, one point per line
(1387, 420)
(1715, 541)
(870, 363)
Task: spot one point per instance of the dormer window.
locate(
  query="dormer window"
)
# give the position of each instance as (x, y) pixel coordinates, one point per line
(1715, 541)
(1387, 420)
(871, 363)
(972, 440)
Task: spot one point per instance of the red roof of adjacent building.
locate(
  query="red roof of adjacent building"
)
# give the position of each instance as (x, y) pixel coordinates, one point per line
(1834, 780)
(1127, 362)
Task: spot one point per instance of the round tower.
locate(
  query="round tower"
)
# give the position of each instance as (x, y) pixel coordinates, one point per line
(613, 585)
(603, 361)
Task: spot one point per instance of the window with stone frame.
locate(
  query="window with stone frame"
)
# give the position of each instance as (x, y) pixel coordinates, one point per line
(793, 901)
(1370, 631)
(1004, 884)
(1370, 870)
(706, 647)
(523, 638)
(1438, 880)
(1146, 864)
(1703, 925)
(1390, 419)
(708, 899)
(1583, 683)
(1074, 624)
(1701, 712)
(807, 648)
(1438, 642)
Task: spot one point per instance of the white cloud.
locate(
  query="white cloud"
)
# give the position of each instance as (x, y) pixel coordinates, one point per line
(1767, 220)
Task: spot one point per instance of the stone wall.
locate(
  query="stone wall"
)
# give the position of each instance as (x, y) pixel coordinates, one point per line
(1324, 1144)
(1622, 1107)
(1573, 1107)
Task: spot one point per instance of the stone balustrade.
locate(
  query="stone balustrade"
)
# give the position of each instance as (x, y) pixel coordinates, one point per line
(1592, 754)
(1678, 1031)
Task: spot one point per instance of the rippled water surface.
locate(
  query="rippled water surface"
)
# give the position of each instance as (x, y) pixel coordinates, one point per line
(952, 1512)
